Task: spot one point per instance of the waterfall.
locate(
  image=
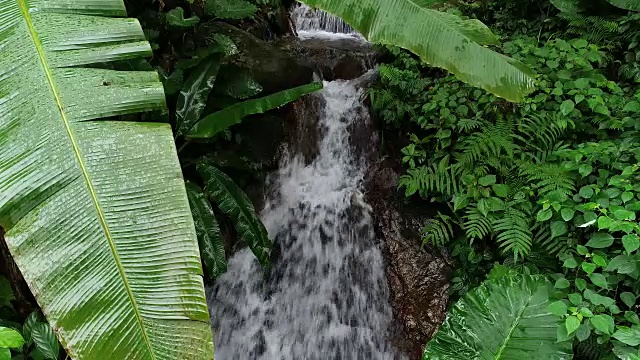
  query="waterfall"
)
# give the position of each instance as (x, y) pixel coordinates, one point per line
(326, 294)
(318, 23)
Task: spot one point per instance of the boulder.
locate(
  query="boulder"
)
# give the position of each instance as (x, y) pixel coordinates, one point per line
(418, 276)
(270, 66)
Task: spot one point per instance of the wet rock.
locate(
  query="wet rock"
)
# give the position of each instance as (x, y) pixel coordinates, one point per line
(417, 275)
(333, 59)
(273, 68)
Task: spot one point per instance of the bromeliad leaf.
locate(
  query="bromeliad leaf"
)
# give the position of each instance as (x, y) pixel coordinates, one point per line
(208, 231)
(95, 207)
(504, 318)
(195, 92)
(223, 119)
(235, 203)
(440, 39)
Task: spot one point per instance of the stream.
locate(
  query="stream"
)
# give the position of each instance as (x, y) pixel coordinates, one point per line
(326, 294)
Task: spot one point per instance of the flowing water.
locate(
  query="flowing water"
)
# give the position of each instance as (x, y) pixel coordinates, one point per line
(325, 296)
(317, 23)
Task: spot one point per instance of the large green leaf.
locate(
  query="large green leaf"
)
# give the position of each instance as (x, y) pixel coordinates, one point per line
(440, 39)
(95, 212)
(223, 119)
(195, 92)
(506, 317)
(208, 231)
(633, 5)
(235, 203)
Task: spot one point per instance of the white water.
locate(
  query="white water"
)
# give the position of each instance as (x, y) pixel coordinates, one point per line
(319, 24)
(326, 295)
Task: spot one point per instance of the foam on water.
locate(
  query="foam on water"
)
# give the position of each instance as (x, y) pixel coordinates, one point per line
(326, 295)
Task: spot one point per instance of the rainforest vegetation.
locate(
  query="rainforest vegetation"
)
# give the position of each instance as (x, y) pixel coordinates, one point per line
(131, 143)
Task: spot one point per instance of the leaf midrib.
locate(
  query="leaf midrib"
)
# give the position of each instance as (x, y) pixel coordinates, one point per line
(513, 327)
(37, 42)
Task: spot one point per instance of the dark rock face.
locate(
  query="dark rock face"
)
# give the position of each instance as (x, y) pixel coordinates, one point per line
(273, 68)
(417, 275)
(333, 59)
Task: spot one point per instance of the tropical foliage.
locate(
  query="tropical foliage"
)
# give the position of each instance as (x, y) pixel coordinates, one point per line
(99, 175)
(506, 317)
(439, 38)
(547, 186)
(76, 189)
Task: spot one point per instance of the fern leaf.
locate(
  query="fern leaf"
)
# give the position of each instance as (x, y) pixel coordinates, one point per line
(230, 9)
(438, 231)
(513, 232)
(475, 224)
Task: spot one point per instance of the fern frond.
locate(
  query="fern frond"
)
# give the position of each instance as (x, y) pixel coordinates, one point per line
(435, 179)
(468, 124)
(475, 224)
(492, 142)
(542, 239)
(438, 231)
(547, 178)
(540, 134)
(513, 231)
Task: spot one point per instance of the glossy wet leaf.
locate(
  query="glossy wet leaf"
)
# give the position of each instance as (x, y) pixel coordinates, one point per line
(27, 328)
(599, 280)
(175, 17)
(487, 180)
(195, 92)
(10, 338)
(583, 332)
(571, 324)
(628, 299)
(504, 318)
(45, 341)
(567, 107)
(627, 335)
(440, 39)
(631, 243)
(219, 121)
(600, 240)
(603, 322)
(95, 207)
(234, 202)
(208, 231)
(558, 308)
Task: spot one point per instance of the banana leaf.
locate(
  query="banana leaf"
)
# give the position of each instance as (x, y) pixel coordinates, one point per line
(95, 212)
(440, 39)
(235, 203)
(219, 121)
(506, 317)
(633, 5)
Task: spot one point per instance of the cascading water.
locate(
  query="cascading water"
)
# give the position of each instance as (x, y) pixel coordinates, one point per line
(325, 296)
(318, 23)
